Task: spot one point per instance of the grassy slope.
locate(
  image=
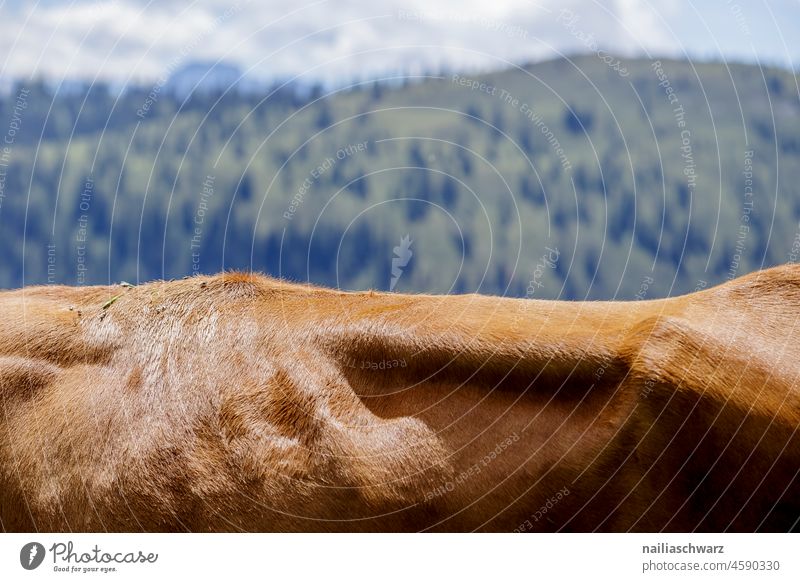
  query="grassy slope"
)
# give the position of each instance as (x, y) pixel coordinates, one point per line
(481, 211)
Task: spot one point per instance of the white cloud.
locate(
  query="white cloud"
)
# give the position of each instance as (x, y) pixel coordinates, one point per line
(644, 25)
(335, 40)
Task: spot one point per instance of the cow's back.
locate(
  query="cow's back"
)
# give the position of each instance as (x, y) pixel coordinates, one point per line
(237, 402)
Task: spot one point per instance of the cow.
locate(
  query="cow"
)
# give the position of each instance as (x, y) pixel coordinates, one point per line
(244, 403)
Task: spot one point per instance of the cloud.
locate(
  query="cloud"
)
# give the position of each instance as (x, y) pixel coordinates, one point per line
(141, 40)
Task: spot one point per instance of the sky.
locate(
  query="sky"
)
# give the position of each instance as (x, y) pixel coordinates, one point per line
(139, 41)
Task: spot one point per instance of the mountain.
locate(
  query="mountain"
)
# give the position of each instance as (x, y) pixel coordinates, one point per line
(569, 178)
(203, 77)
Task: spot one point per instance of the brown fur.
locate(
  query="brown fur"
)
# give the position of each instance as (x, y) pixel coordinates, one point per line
(243, 403)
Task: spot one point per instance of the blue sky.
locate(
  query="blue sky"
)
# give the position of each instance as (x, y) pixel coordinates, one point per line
(138, 40)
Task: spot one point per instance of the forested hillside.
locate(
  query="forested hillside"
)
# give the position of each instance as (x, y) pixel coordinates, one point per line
(561, 179)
